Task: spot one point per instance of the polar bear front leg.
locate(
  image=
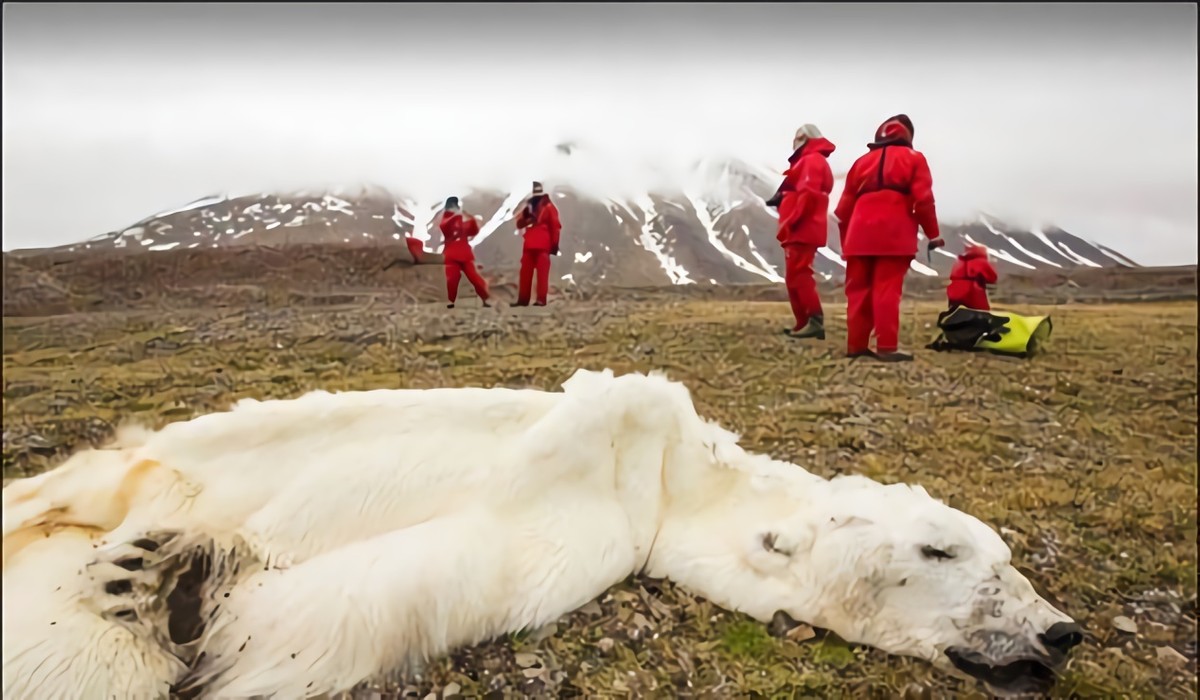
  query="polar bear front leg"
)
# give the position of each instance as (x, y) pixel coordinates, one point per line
(69, 635)
(618, 434)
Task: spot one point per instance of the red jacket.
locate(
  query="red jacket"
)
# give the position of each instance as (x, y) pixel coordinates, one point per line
(804, 209)
(458, 230)
(888, 192)
(542, 227)
(968, 278)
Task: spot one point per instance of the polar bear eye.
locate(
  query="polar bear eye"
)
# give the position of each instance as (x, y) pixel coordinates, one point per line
(934, 553)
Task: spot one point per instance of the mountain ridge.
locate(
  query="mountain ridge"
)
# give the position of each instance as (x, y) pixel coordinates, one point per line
(713, 229)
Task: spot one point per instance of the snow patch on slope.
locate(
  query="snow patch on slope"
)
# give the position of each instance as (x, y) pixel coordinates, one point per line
(714, 239)
(1018, 246)
(422, 217)
(504, 213)
(1066, 252)
(335, 204)
(828, 252)
(1082, 259)
(1001, 254)
(653, 244)
(757, 255)
(1124, 262)
(923, 269)
(203, 202)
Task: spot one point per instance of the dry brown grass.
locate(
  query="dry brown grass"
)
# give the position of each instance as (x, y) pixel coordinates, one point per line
(1084, 457)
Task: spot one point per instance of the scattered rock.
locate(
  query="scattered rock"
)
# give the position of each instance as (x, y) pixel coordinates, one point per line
(1171, 658)
(801, 633)
(917, 691)
(1124, 624)
(1158, 633)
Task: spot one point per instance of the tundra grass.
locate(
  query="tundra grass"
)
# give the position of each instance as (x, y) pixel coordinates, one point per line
(1083, 458)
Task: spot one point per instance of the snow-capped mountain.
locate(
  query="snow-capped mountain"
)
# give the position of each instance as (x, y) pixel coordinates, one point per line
(716, 231)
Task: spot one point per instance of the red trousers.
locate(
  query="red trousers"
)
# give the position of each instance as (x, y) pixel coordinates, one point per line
(415, 248)
(454, 272)
(874, 287)
(539, 261)
(969, 294)
(801, 287)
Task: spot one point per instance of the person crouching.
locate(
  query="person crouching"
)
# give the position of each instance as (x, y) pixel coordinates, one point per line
(458, 229)
(803, 202)
(969, 277)
(539, 219)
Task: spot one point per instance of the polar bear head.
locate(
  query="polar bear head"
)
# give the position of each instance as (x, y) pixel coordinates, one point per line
(890, 567)
(885, 566)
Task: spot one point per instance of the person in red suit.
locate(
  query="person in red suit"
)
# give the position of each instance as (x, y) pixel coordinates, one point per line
(458, 229)
(415, 248)
(539, 220)
(969, 277)
(803, 203)
(888, 194)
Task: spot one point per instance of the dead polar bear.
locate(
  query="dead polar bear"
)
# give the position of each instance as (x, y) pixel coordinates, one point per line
(294, 548)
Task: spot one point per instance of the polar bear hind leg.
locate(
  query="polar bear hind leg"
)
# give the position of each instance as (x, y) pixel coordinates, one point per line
(368, 608)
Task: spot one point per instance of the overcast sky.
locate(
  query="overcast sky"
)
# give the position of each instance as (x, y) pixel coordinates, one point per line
(1080, 115)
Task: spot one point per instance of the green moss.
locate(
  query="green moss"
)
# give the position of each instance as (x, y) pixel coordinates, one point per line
(747, 639)
(832, 651)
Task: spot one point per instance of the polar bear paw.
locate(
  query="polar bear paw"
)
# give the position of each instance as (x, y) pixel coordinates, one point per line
(130, 576)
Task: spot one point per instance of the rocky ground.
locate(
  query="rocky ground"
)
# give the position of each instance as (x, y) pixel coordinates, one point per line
(1084, 458)
(304, 275)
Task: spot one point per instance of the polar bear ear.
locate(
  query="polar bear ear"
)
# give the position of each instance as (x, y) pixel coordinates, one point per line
(770, 543)
(771, 550)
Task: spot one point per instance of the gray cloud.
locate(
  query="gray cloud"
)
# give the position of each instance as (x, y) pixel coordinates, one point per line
(1084, 116)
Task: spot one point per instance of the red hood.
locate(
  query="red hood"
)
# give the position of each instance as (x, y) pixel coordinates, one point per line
(896, 131)
(975, 251)
(820, 145)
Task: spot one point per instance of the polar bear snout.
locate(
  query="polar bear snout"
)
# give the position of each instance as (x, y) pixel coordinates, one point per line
(1022, 653)
(1013, 664)
(1063, 637)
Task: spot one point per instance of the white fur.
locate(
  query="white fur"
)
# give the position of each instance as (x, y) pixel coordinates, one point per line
(358, 531)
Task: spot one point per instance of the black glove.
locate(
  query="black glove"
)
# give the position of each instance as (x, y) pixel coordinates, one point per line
(554, 250)
(936, 243)
(775, 200)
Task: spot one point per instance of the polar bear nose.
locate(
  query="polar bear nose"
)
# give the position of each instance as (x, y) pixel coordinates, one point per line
(1063, 636)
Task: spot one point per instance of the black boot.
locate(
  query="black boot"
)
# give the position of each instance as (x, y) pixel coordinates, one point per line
(894, 356)
(815, 328)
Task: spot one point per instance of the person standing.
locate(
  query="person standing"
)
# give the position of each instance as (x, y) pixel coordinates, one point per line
(888, 194)
(458, 228)
(415, 249)
(803, 203)
(969, 277)
(539, 220)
